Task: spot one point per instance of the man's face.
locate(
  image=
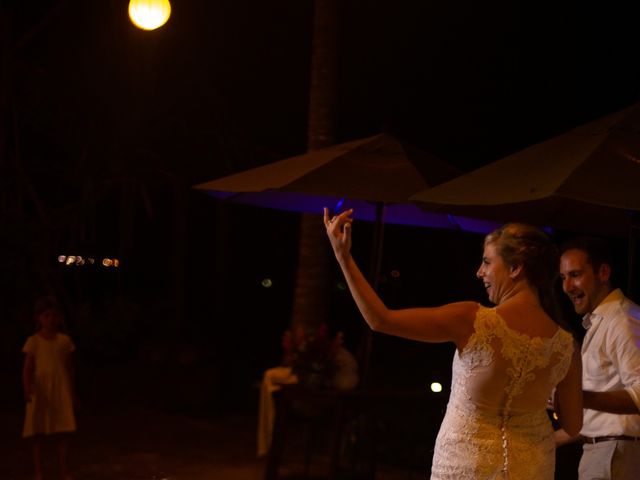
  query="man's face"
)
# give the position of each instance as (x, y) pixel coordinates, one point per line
(585, 287)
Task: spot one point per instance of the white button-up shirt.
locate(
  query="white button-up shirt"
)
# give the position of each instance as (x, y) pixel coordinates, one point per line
(611, 361)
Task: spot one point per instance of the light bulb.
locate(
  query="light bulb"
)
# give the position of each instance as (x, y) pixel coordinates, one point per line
(149, 14)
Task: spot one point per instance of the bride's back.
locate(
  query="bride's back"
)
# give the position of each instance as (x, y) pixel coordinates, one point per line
(513, 360)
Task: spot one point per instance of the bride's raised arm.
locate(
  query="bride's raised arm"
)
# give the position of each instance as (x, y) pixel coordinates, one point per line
(452, 322)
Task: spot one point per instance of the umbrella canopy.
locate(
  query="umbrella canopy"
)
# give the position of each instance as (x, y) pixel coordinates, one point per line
(585, 180)
(362, 174)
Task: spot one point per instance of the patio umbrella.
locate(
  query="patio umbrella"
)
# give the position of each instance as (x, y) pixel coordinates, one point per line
(586, 180)
(375, 176)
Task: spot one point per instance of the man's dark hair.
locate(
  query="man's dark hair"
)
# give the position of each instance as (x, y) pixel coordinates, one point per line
(597, 249)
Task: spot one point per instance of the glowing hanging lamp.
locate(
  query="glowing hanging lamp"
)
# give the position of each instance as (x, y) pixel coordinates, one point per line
(149, 14)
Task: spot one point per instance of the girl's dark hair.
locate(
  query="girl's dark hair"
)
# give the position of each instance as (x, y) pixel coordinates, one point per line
(526, 245)
(46, 303)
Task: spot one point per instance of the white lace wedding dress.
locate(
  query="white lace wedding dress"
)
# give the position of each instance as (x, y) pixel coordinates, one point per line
(496, 425)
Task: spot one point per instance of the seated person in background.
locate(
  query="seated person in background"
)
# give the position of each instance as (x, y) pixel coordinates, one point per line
(344, 376)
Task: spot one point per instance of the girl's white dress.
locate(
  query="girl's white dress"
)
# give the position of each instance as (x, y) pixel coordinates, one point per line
(496, 425)
(51, 407)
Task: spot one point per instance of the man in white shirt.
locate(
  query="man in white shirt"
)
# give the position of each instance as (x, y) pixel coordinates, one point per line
(610, 362)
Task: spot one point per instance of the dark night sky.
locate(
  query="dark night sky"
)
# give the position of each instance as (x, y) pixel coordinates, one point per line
(223, 86)
(112, 125)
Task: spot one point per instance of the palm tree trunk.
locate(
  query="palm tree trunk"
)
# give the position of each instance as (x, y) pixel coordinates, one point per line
(312, 278)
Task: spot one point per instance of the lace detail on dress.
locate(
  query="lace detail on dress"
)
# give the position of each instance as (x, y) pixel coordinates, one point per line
(496, 425)
(560, 369)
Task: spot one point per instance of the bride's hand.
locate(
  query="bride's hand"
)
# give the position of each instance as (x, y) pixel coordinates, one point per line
(339, 231)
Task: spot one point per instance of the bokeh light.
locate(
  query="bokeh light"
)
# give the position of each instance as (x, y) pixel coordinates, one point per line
(436, 387)
(79, 261)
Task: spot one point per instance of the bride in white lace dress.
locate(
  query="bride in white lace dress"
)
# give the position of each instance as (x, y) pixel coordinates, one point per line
(509, 361)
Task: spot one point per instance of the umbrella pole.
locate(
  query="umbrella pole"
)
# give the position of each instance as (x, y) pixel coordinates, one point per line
(376, 248)
(374, 279)
(634, 237)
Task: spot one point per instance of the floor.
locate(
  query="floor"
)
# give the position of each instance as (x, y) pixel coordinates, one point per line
(126, 443)
(123, 439)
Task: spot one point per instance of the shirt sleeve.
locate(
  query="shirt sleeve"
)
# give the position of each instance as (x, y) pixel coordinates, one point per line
(29, 346)
(69, 345)
(626, 357)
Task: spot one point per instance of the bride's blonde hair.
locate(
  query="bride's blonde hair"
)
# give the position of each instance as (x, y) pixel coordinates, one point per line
(531, 247)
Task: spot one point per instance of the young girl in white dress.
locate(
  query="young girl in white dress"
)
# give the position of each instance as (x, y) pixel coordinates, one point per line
(48, 385)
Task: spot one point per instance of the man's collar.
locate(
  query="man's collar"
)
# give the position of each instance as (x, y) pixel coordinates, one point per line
(615, 296)
(587, 320)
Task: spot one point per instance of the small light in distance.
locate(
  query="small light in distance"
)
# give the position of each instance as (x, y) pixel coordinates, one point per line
(341, 286)
(267, 283)
(436, 387)
(107, 262)
(116, 262)
(70, 260)
(62, 258)
(395, 273)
